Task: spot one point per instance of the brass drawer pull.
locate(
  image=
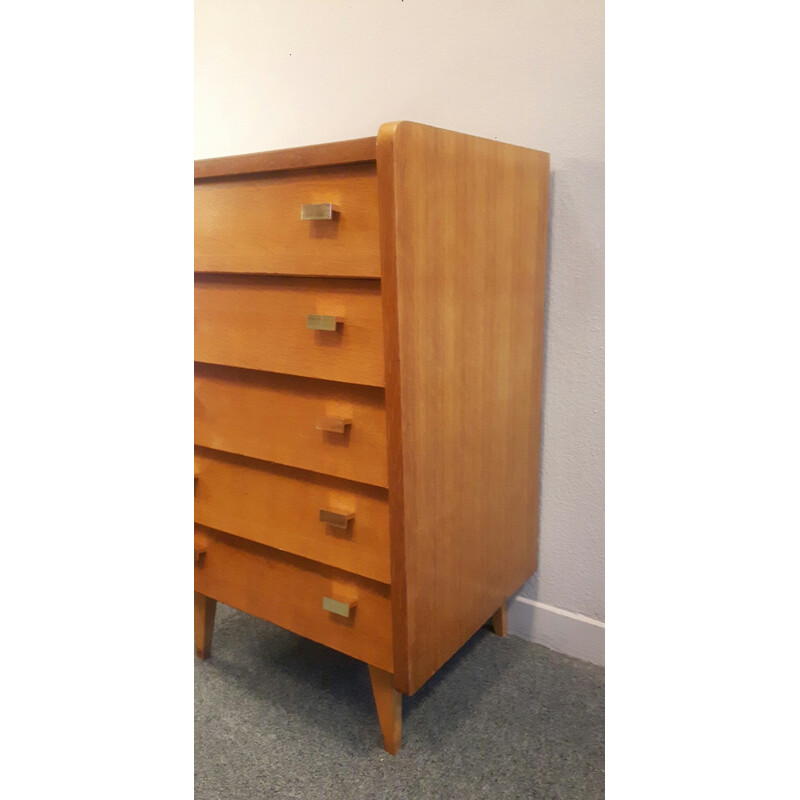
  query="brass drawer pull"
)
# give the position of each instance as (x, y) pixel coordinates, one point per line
(322, 322)
(334, 519)
(332, 424)
(312, 211)
(341, 607)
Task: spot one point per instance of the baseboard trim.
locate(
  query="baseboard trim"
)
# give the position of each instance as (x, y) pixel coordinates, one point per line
(573, 634)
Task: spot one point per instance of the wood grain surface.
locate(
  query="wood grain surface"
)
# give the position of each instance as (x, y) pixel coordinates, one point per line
(435, 267)
(273, 418)
(205, 611)
(500, 621)
(315, 155)
(259, 322)
(253, 224)
(463, 245)
(280, 507)
(288, 591)
(389, 705)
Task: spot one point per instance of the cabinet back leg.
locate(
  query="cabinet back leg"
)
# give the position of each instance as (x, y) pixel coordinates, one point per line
(500, 620)
(204, 611)
(389, 703)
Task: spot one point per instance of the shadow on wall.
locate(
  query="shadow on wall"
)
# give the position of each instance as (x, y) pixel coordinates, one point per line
(571, 513)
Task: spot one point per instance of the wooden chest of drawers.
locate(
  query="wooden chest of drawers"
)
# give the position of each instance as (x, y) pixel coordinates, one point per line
(368, 359)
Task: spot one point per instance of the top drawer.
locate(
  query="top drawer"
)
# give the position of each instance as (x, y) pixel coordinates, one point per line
(252, 223)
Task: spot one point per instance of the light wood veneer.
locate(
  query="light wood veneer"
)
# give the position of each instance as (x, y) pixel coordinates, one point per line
(289, 591)
(252, 224)
(280, 507)
(414, 425)
(259, 322)
(463, 251)
(275, 417)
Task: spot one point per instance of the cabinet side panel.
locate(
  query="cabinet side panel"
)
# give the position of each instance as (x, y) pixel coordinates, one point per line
(470, 228)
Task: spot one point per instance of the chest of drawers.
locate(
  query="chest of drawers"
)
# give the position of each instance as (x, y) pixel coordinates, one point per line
(368, 360)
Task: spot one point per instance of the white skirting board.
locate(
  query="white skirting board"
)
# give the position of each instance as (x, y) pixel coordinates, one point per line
(564, 631)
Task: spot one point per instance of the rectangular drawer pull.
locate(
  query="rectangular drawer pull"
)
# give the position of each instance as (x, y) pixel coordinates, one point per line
(341, 607)
(334, 519)
(322, 322)
(332, 424)
(312, 211)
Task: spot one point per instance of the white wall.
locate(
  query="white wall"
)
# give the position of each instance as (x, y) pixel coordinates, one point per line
(283, 73)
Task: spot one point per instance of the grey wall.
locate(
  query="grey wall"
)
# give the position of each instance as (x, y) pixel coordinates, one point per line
(530, 72)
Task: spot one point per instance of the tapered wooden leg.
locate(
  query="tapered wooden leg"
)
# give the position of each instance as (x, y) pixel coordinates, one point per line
(389, 703)
(204, 611)
(500, 620)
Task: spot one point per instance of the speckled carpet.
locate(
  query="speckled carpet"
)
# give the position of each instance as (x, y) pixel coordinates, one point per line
(278, 716)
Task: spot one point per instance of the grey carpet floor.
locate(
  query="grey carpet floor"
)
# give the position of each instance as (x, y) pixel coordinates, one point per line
(278, 716)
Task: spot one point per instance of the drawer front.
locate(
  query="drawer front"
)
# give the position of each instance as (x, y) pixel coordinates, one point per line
(276, 417)
(281, 507)
(290, 592)
(252, 224)
(262, 323)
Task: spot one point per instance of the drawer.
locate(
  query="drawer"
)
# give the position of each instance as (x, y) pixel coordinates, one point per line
(290, 591)
(259, 322)
(276, 417)
(252, 224)
(281, 507)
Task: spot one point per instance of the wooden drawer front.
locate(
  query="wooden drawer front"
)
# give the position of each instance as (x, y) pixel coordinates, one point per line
(252, 224)
(280, 507)
(274, 417)
(289, 591)
(261, 323)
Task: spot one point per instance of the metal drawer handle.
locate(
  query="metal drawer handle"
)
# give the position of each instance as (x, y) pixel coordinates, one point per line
(334, 519)
(341, 607)
(332, 424)
(312, 211)
(322, 322)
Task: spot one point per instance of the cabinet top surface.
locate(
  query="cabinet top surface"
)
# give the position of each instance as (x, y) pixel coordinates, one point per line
(350, 151)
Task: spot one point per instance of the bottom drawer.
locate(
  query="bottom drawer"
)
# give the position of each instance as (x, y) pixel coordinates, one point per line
(290, 591)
